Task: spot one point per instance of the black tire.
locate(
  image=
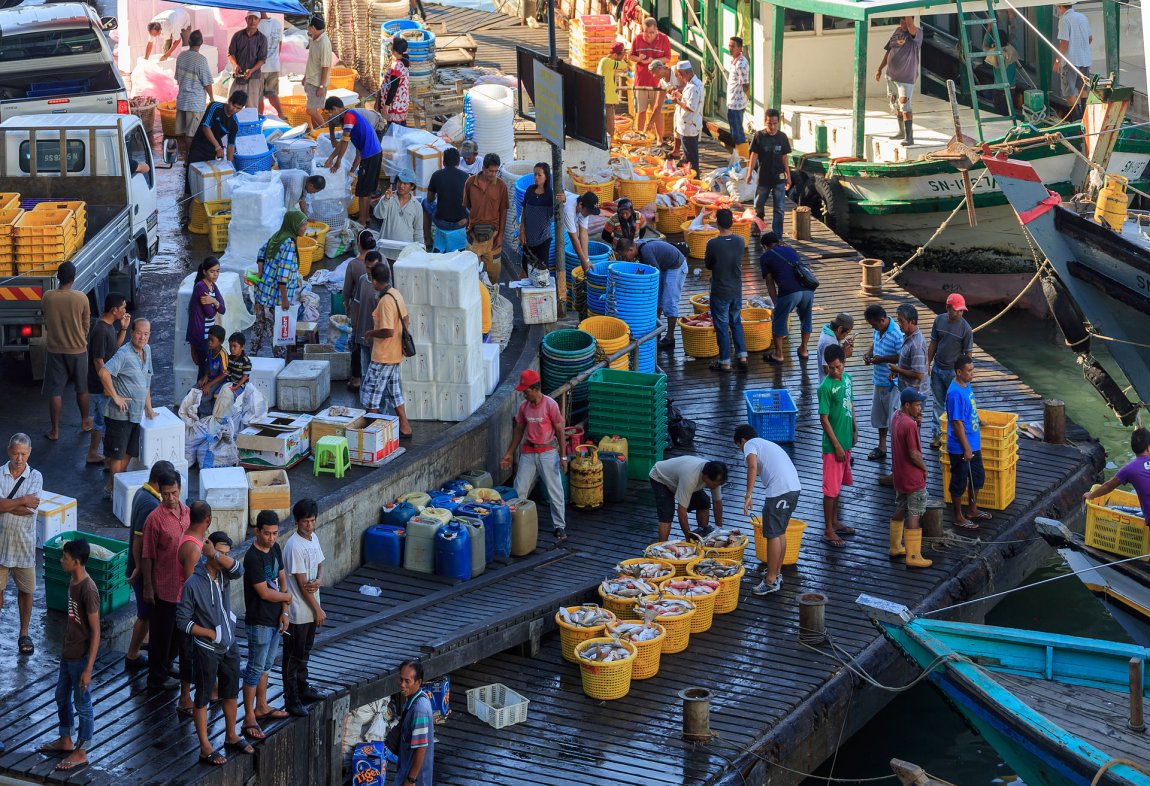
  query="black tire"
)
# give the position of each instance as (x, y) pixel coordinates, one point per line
(800, 184)
(830, 206)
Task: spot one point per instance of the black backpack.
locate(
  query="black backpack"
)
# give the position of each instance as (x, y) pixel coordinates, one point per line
(680, 430)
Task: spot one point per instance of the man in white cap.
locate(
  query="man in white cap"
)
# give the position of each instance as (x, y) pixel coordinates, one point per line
(167, 31)
(951, 337)
(247, 53)
(688, 100)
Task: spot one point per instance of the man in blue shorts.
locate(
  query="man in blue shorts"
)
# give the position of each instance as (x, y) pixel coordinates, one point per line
(357, 129)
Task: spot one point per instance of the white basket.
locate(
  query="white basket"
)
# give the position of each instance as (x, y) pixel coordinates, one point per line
(497, 705)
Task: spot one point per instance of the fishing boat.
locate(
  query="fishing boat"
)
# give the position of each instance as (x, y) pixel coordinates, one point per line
(1100, 285)
(1123, 587)
(1055, 708)
(816, 60)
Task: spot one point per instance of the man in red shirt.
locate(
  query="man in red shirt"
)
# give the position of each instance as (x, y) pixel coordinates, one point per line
(649, 46)
(164, 580)
(542, 455)
(909, 476)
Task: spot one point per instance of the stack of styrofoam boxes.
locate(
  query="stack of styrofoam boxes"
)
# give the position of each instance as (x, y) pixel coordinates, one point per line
(490, 368)
(444, 381)
(126, 484)
(303, 385)
(161, 439)
(55, 514)
(226, 490)
(263, 376)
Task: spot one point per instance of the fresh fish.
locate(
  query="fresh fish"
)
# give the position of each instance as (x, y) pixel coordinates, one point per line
(724, 539)
(668, 607)
(587, 616)
(645, 570)
(622, 587)
(715, 569)
(691, 587)
(672, 549)
(605, 653)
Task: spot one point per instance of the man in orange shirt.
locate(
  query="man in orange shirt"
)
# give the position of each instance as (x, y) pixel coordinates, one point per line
(382, 376)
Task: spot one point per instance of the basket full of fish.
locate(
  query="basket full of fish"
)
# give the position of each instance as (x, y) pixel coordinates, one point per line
(606, 665)
(729, 574)
(725, 543)
(580, 623)
(620, 593)
(655, 571)
(647, 636)
(702, 592)
(676, 552)
(674, 614)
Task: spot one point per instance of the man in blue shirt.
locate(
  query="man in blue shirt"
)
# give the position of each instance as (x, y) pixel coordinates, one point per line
(964, 445)
(777, 264)
(368, 154)
(885, 346)
(416, 729)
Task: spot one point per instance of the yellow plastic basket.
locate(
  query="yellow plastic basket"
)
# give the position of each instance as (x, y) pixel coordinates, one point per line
(727, 599)
(219, 215)
(9, 199)
(612, 335)
(757, 328)
(605, 191)
(1114, 531)
(725, 552)
(697, 238)
(294, 110)
(46, 223)
(622, 608)
(698, 341)
(999, 432)
(794, 541)
(308, 254)
(167, 110)
(317, 230)
(701, 303)
(658, 581)
(37, 267)
(678, 629)
(742, 228)
(606, 681)
(572, 635)
(198, 220)
(648, 654)
(996, 493)
(8, 218)
(342, 78)
(670, 220)
(640, 192)
(704, 609)
(680, 565)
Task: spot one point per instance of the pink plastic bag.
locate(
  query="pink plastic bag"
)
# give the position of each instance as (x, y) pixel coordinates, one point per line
(150, 79)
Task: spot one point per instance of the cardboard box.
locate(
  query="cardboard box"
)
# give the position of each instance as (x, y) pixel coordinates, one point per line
(289, 420)
(271, 446)
(333, 421)
(268, 489)
(55, 514)
(372, 438)
(369, 764)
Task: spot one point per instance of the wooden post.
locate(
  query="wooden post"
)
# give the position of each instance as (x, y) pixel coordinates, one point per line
(858, 107)
(1054, 421)
(1137, 720)
(931, 521)
(801, 223)
(774, 56)
(812, 617)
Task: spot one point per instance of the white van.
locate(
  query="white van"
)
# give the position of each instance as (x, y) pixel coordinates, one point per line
(57, 59)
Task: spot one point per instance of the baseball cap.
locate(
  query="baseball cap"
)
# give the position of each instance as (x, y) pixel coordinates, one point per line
(957, 302)
(617, 48)
(256, 14)
(910, 394)
(844, 320)
(590, 203)
(528, 379)
(406, 176)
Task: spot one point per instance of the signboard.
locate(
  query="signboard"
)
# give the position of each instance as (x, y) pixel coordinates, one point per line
(548, 100)
(581, 98)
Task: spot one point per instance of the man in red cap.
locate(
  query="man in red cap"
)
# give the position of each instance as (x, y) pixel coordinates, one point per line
(950, 338)
(541, 455)
(611, 68)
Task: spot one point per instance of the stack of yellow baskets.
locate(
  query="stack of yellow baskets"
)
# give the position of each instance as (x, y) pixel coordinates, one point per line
(611, 335)
(999, 437)
(9, 214)
(48, 235)
(590, 40)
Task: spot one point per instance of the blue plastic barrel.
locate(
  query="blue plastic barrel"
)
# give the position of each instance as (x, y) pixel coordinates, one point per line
(397, 513)
(506, 493)
(442, 499)
(499, 530)
(383, 545)
(453, 551)
(456, 488)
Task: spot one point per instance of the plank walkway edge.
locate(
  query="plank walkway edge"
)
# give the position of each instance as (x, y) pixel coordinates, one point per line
(1010, 560)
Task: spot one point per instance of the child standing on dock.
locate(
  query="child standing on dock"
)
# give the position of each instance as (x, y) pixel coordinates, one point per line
(837, 415)
(77, 658)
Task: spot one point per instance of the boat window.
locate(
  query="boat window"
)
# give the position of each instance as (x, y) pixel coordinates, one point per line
(885, 21)
(798, 21)
(831, 23)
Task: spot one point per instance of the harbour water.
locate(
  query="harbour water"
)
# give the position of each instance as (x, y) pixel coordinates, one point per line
(919, 726)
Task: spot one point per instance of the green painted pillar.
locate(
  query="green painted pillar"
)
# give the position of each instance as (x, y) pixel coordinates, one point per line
(773, 56)
(858, 108)
(1110, 25)
(1044, 20)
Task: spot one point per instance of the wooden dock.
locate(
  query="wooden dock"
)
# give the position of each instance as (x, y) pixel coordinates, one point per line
(776, 700)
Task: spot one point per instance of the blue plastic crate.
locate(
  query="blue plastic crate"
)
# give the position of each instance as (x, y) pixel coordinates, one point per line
(773, 414)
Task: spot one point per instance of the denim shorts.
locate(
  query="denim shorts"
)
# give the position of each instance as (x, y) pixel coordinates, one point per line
(262, 645)
(96, 404)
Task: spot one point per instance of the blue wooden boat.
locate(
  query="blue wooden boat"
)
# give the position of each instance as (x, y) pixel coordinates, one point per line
(1055, 708)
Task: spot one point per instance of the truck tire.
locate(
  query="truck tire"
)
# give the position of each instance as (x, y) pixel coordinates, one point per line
(829, 204)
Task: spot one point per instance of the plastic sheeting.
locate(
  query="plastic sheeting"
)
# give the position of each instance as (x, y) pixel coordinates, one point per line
(292, 7)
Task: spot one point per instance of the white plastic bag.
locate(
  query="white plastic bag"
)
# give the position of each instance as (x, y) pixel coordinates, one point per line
(250, 405)
(283, 328)
(738, 187)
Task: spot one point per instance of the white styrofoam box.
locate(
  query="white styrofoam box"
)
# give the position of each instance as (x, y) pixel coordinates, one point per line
(235, 320)
(419, 398)
(453, 280)
(303, 385)
(263, 376)
(456, 364)
(55, 514)
(124, 488)
(255, 196)
(421, 323)
(538, 305)
(410, 273)
(251, 145)
(420, 367)
(161, 437)
(207, 180)
(233, 522)
(225, 488)
(459, 326)
(490, 355)
(181, 465)
(457, 402)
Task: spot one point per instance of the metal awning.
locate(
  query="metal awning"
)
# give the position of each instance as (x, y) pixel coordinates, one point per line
(874, 9)
(289, 7)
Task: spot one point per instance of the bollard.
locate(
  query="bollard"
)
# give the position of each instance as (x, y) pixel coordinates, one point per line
(871, 277)
(1054, 421)
(812, 617)
(932, 520)
(1137, 720)
(801, 223)
(696, 714)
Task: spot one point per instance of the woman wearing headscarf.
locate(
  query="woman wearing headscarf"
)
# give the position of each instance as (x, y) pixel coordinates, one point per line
(206, 302)
(627, 223)
(537, 219)
(279, 279)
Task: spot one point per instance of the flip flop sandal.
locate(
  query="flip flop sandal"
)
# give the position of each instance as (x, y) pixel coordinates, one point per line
(844, 531)
(837, 543)
(68, 766)
(26, 645)
(719, 367)
(742, 365)
(253, 733)
(876, 455)
(967, 525)
(983, 516)
(215, 758)
(50, 439)
(240, 746)
(803, 356)
(186, 712)
(772, 360)
(48, 749)
(273, 715)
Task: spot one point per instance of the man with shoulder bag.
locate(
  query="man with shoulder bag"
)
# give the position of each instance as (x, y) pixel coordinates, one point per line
(791, 284)
(389, 340)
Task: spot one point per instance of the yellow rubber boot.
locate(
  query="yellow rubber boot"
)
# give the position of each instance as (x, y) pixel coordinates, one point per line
(896, 548)
(743, 149)
(914, 557)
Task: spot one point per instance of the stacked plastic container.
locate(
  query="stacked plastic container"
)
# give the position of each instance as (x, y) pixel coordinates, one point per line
(633, 405)
(252, 151)
(491, 109)
(565, 355)
(226, 490)
(999, 432)
(597, 289)
(633, 296)
(591, 38)
(445, 379)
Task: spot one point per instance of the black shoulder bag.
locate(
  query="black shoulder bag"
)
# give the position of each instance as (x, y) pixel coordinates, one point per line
(803, 273)
(406, 337)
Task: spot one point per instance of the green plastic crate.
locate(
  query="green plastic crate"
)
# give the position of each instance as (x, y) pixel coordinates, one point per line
(103, 572)
(639, 465)
(607, 425)
(56, 594)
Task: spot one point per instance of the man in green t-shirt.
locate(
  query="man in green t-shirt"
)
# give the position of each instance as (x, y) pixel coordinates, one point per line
(836, 413)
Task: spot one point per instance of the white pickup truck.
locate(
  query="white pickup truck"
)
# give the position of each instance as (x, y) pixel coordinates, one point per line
(57, 59)
(101, 166)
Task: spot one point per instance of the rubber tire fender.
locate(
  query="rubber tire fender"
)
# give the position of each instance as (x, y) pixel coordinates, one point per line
(836, 211)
